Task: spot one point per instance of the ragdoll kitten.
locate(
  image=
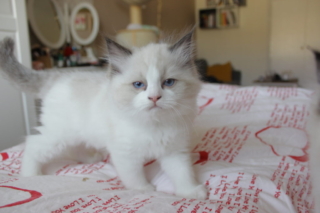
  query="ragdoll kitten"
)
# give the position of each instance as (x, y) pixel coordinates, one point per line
(141, 108)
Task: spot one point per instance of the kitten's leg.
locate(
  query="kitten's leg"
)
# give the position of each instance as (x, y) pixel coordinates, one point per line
(39, 149)
(131, 173)
(179, 168)
(30, 166)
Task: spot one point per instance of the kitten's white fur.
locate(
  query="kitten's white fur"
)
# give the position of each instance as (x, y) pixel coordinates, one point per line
(105, 112)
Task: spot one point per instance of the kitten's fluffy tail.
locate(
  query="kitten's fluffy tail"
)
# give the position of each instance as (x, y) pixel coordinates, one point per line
(21, 76)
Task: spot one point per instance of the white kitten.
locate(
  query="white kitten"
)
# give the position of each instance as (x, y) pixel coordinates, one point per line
(142, 108)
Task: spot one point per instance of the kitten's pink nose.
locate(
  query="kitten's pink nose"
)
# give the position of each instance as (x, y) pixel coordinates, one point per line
(154, 98)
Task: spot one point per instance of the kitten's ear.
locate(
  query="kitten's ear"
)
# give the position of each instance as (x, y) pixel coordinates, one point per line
(184, 48)
(117, 54)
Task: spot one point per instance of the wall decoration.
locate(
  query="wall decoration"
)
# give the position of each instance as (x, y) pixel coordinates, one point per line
(240, 2)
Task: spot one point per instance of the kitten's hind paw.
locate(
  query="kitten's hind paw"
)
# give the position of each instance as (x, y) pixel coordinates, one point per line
(199, 192)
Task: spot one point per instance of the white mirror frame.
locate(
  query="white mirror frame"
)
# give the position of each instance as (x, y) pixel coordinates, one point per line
(37, 31)
(95, 27)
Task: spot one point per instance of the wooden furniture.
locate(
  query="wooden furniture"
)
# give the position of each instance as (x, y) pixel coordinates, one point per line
(289, 83)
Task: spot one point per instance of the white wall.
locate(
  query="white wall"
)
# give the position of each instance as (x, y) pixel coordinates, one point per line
(246, 47)
(295, 24)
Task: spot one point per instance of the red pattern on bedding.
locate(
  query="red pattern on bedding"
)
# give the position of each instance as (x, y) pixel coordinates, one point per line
(298, 142)
(33, 195)
(207, 102)
(4, 156)
(240, 100)
(80, 169)
(95, 203)
(293, 180)
(236, 194)
(221, 144)
(289, 115)
(283, 93)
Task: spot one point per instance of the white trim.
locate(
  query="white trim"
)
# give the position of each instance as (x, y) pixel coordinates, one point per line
(8, 23)
(25, 113)
(95, 27)
(37, 31)
(66, 20)
(24, 57)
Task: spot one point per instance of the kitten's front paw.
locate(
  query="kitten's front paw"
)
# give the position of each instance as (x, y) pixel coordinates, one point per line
(30, 172)
(197, 192)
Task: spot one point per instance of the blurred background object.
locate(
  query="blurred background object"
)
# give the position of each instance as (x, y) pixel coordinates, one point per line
(137, 34)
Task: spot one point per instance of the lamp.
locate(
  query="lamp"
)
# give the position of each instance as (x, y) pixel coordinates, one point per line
(137, 34)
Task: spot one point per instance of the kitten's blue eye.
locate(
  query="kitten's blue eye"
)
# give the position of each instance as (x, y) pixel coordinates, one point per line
(138, 84)
(169, 82)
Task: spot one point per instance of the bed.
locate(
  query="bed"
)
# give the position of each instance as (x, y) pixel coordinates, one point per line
(252, 155)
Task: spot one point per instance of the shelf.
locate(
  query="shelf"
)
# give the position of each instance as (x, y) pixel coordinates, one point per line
(220, 17)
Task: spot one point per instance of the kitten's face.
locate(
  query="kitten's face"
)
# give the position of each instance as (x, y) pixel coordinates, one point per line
(156, 80)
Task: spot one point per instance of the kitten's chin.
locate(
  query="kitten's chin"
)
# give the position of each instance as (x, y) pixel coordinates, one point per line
(156, 112)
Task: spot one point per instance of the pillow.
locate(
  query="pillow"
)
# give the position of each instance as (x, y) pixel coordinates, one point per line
(222, 72)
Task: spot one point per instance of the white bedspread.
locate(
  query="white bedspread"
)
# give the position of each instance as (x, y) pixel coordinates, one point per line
(252, 156)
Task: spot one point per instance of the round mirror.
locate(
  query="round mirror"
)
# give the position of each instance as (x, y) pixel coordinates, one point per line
(46, 20)
(84, 23)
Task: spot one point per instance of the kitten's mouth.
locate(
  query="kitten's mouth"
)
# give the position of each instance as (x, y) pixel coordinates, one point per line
(155, 107)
